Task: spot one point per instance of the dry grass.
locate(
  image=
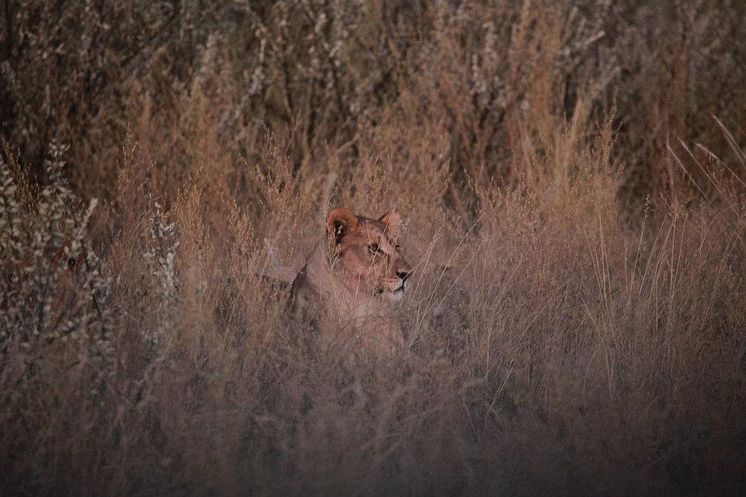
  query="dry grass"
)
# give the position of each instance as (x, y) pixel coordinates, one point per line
(575, 213)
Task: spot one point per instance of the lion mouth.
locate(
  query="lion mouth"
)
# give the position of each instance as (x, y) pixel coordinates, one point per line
(393, 294)
(398, 293)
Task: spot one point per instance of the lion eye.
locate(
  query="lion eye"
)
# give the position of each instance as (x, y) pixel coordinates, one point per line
(397, 246)
(375, 249)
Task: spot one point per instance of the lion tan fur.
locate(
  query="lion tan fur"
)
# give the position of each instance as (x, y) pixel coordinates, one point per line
(349, 281)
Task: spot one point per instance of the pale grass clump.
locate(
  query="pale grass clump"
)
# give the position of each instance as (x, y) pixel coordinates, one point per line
(160, 257)
(43, 240)
(550, 347)
(57, 334)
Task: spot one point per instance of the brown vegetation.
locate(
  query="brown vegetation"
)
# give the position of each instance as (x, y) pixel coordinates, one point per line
(572, 182)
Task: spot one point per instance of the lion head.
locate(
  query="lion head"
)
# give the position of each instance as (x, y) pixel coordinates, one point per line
(364, 253)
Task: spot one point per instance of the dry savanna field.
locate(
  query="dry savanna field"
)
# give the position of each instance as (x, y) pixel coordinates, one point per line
(571, 178)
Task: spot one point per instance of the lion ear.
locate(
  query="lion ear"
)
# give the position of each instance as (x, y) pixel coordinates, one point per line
(392, 220)
(339, 223)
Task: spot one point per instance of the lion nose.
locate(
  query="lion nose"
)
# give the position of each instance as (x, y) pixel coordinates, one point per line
(403, 274)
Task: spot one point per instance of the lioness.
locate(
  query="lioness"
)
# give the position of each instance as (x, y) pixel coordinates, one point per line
(348, 281)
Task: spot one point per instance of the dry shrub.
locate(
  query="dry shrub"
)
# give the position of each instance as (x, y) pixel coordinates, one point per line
(318, 74)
